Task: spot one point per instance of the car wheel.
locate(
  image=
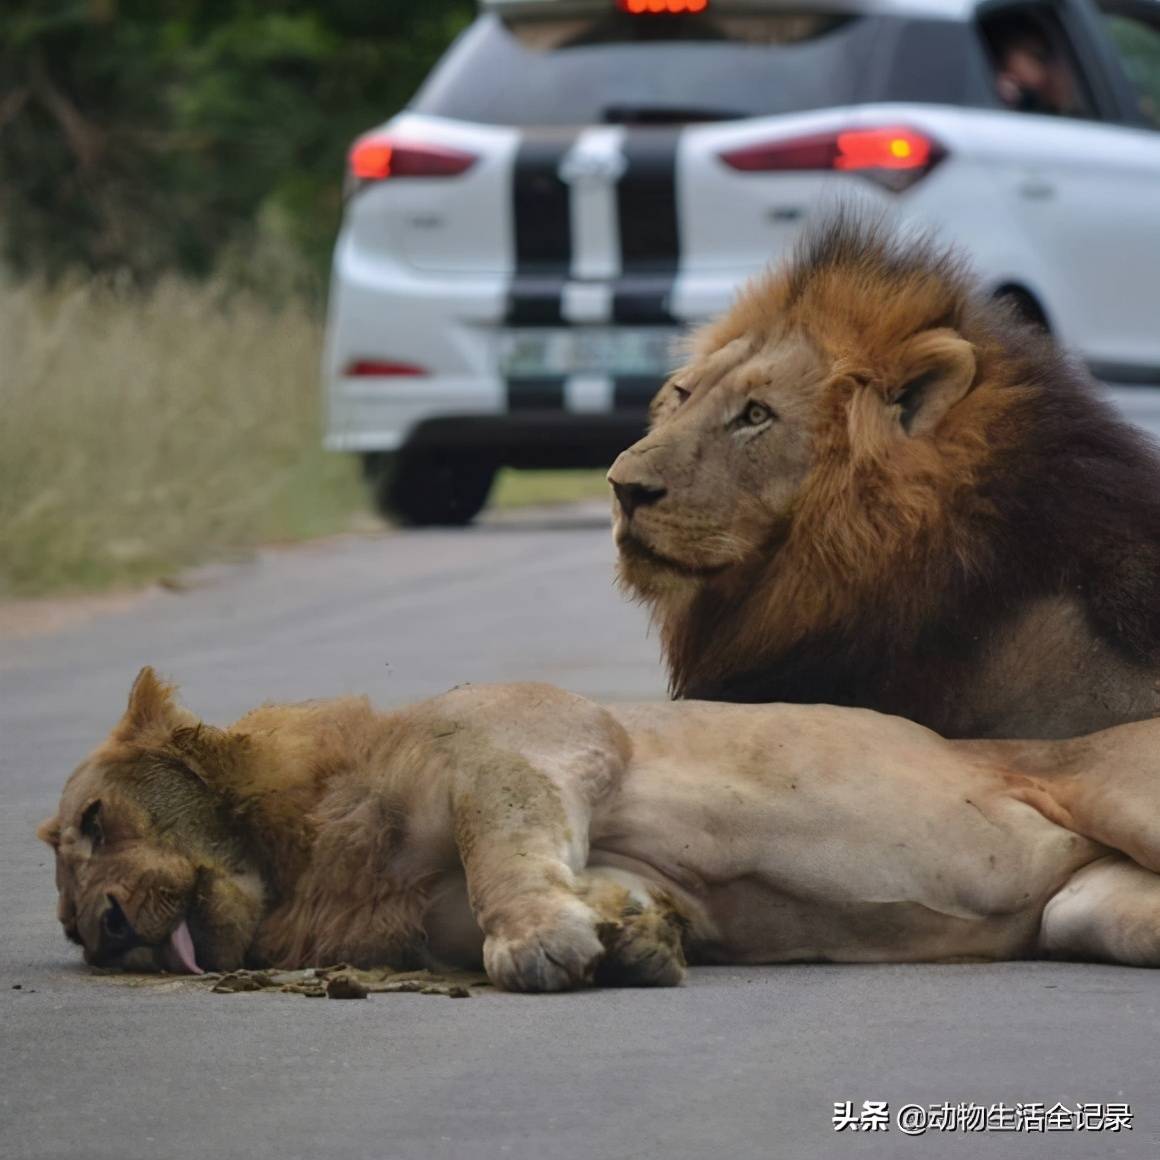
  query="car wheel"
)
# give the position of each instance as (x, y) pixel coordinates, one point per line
(433, 489)
(376, 466)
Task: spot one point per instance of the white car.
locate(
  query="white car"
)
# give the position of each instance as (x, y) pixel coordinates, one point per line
(579, 180)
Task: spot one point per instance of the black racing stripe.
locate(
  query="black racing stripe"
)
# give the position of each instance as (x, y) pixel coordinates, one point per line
(643, 300)
(542, 222)
(650, 239)
(536, 301)
(646, 199)
(536, 394)
(634, 392)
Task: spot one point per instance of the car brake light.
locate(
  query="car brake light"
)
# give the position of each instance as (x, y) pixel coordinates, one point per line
(659, 7)
(376, 157)
(895, 157)
(381, 368)
(883, 149)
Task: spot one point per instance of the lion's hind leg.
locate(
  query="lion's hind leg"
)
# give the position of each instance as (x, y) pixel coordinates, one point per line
(1108, 911)
(643, 932)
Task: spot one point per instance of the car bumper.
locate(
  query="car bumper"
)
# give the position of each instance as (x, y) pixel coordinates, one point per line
(374, 415)
(381, 414)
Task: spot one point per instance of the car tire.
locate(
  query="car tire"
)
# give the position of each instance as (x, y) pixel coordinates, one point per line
(431, 488)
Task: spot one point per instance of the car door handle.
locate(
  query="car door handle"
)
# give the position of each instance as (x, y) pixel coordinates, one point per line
(1035, 189)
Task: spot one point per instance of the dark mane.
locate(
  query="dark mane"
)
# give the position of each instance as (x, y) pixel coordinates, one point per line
(1061, 502)
(862, 246)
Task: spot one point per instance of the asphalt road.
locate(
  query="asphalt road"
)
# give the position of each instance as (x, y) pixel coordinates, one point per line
(738, 1064)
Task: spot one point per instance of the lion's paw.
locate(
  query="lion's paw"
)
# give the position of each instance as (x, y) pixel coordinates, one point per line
(645, 951)
(553, 954)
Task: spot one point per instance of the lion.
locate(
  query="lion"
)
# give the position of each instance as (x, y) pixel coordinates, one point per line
(871, 485)
(561, 843)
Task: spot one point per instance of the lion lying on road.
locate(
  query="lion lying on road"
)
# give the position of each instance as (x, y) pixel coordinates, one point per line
(562, 843)
(871, 486)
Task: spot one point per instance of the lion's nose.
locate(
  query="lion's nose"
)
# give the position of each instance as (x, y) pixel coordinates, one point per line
(115, 935)
(635, 495)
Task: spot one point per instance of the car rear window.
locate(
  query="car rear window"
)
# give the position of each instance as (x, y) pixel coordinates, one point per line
(616, 68)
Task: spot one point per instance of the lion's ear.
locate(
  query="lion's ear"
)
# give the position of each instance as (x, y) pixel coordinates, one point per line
(151, 707)
(939, 371)
(49, 832)
(213, 756)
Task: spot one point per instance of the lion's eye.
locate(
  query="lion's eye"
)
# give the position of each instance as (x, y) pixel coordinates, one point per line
(755, 414)
(682, 393)
(91, 823)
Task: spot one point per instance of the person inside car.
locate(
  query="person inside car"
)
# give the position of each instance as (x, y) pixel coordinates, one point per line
(1031, 75)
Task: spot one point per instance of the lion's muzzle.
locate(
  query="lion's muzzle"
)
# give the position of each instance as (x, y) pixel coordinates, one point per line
(633, 495)
(634, 484)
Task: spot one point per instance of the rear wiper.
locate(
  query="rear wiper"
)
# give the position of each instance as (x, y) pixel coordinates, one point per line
(664, 115)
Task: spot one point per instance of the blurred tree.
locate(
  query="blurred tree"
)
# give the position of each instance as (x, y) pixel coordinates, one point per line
(148, 135)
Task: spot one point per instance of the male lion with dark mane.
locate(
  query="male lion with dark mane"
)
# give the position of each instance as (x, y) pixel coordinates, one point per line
(871, 485)
(561, 843)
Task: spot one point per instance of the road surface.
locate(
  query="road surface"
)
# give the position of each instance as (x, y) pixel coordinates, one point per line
(738, 1064)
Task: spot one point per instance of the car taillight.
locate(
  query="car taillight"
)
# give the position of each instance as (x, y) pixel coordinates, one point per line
(895, 157)
(883, 149)
(658, 7)
(377, 157)
(381, 368)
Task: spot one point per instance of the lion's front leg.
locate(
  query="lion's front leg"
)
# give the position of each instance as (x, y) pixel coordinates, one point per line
(556, 945)
(522, 834)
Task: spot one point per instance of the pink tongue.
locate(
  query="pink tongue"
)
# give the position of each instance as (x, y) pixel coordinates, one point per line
(181, 949)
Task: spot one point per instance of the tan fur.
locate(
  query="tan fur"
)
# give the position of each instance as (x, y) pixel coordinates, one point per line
(875, 520)
(562, 843)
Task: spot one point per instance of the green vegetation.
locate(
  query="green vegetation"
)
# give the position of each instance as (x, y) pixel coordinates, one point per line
(172, 186)
(140, 434)
(143, 433)
(1139, 46)
(521, 488)
(156, 136)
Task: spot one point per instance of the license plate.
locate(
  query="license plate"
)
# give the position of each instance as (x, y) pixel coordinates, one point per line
(579, 350)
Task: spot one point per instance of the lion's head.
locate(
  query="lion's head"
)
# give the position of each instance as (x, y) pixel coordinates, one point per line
(150, 864)
(844, 367)
(732, 443)
(862, 441)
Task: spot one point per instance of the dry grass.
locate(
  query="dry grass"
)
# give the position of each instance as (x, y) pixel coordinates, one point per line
(142, 434)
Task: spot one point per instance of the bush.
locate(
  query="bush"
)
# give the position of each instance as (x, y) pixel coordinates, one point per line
(150, 135)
